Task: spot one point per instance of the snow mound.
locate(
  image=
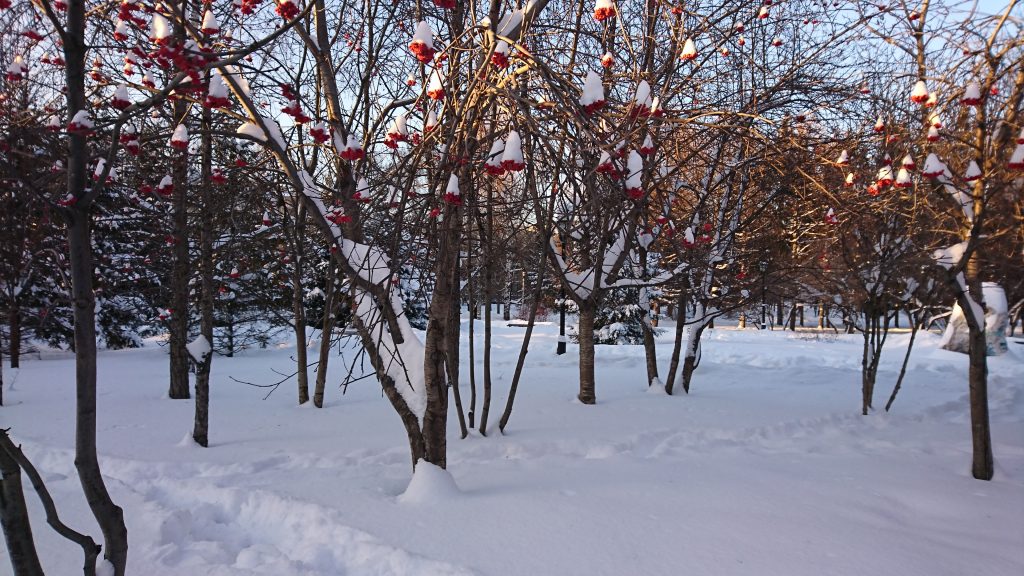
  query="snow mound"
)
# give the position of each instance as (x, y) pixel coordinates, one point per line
(429, 483)
(656, 388)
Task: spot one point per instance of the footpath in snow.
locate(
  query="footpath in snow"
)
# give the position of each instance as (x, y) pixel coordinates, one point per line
(765, 468)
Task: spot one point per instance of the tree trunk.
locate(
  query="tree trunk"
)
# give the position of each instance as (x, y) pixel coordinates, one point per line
(876, 328)
(14, 326)
(298, 309)
(326, 333)
(21, 547)
(455, 323)
(506, 312)
(588, 311)
(650, 354)
(690, 361)
(867, 377)
(914, 327)
(485, 408)
(108, 515)
(673, 365)
(647, 325)
(230, 331)
(180, 269)
(201, 426)
(525, 347)
(982, 466)
(488, 290)
(440, 354)
(472, 344)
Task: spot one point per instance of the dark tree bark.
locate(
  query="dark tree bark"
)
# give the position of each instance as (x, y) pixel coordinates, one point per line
(650, 353)
(108, 515)
(982, 465)
(488, 291)
(326, 332)
(471, 285)
(90, 550)
(14, 327)
(876, 330)
(201, 425)
(915, 325)
(525, 347)
(298, 309)
(21, 547)
(179, 358)
(647, 327)
(588, 311)
(442, 332)
(455, 320)
(677, 345)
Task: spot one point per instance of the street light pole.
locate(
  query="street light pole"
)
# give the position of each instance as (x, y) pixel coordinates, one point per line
(561, 325)
(764, 294)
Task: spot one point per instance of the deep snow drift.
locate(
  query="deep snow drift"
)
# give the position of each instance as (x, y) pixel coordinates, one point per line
(766, 468)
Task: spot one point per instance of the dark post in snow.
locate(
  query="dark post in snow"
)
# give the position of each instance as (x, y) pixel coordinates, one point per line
(561, 325)
(763, 265)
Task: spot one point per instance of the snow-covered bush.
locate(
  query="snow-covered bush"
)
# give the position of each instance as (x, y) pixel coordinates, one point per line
(619, 319)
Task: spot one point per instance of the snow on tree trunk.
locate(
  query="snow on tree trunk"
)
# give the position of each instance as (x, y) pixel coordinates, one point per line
(957, 337)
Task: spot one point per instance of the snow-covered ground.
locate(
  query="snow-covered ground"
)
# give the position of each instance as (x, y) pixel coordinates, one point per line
(765, 468)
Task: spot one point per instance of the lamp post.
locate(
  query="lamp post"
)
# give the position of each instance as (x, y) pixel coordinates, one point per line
(560, 349)
(763, 265)
(561, 325)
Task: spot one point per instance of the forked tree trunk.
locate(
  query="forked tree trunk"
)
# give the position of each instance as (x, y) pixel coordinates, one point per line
(876, 329)
(588, 311)
(90, 550)
(673, 365)
(21, 547)
(442, 336)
